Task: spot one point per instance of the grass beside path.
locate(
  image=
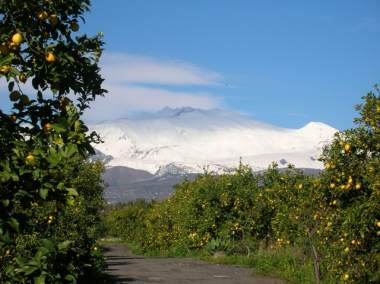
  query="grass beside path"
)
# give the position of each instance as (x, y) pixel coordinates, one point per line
(287, 263)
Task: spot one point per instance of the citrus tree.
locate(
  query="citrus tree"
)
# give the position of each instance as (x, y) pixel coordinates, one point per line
(51, 74)
(352, 180)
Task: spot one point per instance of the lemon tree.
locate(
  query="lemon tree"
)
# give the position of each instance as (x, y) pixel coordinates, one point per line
(352, 177)
(51, 75)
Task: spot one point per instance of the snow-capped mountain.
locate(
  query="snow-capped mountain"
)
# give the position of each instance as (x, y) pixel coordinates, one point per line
(188, 140)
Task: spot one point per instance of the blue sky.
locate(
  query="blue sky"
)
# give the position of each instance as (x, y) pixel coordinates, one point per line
(282, 62)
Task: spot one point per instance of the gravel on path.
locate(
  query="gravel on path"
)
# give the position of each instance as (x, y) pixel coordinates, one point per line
(124, 267)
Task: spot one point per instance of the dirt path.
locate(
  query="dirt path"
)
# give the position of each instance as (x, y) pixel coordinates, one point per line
(127, 268)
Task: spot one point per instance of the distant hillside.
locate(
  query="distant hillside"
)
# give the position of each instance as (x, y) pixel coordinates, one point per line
(125, 184)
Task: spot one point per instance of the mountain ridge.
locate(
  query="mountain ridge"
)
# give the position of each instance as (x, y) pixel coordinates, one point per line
(193, 139)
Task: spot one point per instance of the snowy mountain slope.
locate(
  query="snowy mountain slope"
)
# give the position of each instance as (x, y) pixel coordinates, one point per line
(190, 140)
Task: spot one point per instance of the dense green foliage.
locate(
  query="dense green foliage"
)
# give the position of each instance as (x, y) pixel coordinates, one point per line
(331, 221)
(50, 196)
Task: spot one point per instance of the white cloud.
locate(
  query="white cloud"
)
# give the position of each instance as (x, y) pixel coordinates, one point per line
(127, 79)
(117, 67)
(123, 99)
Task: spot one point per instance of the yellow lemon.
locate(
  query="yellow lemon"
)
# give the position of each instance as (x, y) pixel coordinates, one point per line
(17, 38)
(5, 69)
(50, 57)
(30, 159)
(43, 15)
(347, 147)
(22, 78)
(48, 127)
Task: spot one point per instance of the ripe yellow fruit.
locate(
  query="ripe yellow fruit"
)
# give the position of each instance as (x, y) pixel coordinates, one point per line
(327, 165)
(14, 47)
(5, 69)
(74, 26)
(43, 15)
(22, 78)
(30, 159)
(332, 185)
(300, 186)
(48, 127)
(17, 38)
(53, 19)
(378, 109)
(358, 186)
(347, 249)
(347, 147)
(14, 96)
(350, 179)
(346, 276)
(378, 224)
(50, 57)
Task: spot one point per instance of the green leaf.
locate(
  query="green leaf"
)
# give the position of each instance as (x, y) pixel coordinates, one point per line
(43, 192)
(7, 59)
(70, 278)
(47, 244)
(30, 269)
(72, 192)
(64, 245)
(14, 224)
(39, 280)
(5, 202)
(11, 86)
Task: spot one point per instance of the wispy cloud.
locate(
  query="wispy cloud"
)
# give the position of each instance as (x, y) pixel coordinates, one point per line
(124, 99)
(138, 69)
(139, 83)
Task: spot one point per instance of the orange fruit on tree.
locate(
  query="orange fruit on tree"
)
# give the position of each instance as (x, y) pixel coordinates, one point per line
(48, 127)
(50, 57)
